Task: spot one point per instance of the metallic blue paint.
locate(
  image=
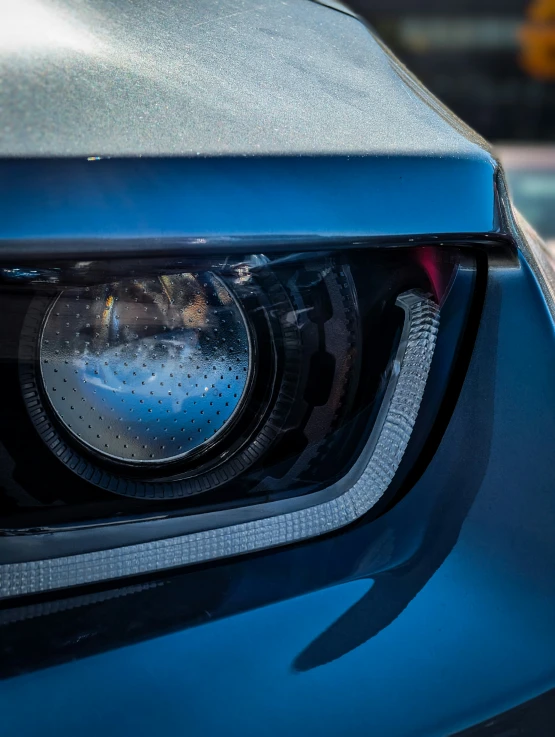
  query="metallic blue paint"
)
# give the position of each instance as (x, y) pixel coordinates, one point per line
(47, 206)
(208, 77)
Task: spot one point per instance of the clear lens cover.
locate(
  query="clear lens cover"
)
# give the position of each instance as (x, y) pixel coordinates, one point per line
(149, 370)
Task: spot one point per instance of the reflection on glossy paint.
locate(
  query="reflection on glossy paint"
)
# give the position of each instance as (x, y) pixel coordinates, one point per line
(39, 25)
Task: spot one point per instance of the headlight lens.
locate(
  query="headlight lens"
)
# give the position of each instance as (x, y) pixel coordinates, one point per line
(149, 370)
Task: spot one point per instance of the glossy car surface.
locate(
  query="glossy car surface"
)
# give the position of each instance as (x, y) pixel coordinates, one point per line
(174, 127)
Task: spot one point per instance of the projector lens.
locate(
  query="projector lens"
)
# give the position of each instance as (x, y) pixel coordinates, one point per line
(147, 371)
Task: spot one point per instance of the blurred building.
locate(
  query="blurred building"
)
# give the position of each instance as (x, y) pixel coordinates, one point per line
(474, 55)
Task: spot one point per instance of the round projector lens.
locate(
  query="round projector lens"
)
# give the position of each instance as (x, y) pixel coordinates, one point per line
(146, 371)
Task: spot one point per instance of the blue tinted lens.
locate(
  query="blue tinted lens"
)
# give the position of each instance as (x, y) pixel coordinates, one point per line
(147, 370)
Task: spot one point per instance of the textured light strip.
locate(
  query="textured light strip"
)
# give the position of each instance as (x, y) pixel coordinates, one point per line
(389, 440)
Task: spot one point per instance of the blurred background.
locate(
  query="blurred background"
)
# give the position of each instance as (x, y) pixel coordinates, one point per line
(493, 63)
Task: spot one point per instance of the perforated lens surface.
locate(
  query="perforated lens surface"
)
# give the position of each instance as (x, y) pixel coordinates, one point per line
(147, 370)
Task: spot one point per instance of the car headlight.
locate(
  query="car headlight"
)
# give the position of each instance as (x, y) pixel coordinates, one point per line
(200, 408)
(146, 371)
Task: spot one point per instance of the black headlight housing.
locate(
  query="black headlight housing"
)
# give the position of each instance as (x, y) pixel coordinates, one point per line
(162, 396)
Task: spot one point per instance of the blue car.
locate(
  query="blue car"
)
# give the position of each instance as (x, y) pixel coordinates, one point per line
(277, 360)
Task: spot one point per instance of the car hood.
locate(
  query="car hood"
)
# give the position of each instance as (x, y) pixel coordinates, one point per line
(204, 77)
